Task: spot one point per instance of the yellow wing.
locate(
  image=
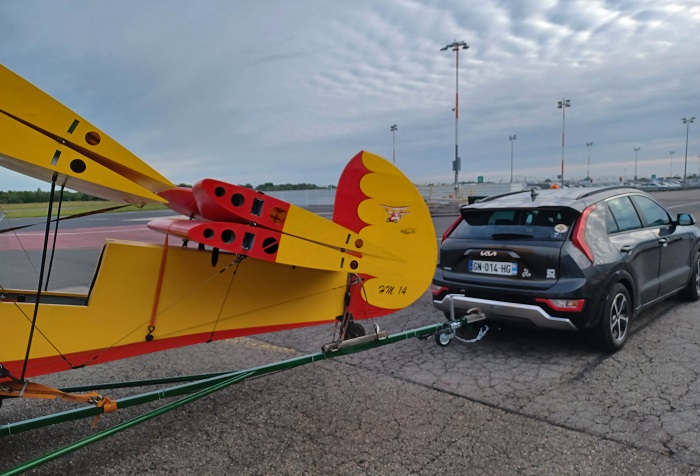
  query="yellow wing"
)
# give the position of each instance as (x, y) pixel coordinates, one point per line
(40, 137)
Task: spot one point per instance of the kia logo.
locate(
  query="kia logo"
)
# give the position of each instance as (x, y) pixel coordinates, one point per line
(488, 253)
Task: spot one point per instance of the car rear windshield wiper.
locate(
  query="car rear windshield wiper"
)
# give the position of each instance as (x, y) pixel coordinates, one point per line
(511, 236)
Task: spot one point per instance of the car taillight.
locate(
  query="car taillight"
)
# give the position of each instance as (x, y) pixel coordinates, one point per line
(437, 290)
(451, 228)
(570, 305)
(579, 234)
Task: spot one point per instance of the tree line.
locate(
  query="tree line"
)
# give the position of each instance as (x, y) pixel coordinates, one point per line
(271, 187)
(41, 196)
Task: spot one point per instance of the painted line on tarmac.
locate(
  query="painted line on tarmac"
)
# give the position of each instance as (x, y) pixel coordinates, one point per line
(256, 344)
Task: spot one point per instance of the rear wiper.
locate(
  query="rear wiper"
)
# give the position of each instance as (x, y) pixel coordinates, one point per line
(510, 236)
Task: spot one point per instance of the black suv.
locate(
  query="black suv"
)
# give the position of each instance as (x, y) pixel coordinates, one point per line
(570, 259)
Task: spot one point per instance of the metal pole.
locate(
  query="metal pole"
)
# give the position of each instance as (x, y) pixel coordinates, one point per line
(588, 169)
(671, 152)
(563, 129)
(458, 166)
(393, 129)
(636, 149)
(687, 123)
(563, 104)
(456, 45)
(511, 138)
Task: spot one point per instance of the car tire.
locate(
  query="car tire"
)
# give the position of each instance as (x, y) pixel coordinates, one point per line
(692, 290)
(613, 327)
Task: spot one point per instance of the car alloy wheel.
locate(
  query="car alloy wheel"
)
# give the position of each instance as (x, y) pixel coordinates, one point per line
(614, 325)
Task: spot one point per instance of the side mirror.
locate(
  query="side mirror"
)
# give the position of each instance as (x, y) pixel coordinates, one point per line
(685, 219)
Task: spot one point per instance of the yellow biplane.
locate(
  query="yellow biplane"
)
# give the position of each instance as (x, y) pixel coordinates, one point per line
(260, 264)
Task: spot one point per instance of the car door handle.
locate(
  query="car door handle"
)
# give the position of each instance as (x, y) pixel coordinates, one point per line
(627, 249)
(663, 242)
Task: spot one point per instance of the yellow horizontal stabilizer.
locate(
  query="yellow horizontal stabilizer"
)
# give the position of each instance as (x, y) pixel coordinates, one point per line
(307, 225)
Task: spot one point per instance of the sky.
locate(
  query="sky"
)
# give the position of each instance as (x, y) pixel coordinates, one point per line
(288, 91)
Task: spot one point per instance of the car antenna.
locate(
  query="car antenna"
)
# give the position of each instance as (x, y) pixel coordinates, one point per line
(533, 193)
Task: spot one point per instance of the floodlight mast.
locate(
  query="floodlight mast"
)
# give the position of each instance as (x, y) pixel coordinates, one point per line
(511, 139)
(456, 166)
(563, 104)
(687, 123)
(671, 152)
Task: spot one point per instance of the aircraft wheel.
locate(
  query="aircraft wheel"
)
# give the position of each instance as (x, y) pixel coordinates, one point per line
(354, 330)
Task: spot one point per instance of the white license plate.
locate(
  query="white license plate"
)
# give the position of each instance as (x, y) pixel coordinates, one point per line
(493, 267)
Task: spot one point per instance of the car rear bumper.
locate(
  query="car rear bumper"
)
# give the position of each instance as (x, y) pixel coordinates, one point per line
(504, 311)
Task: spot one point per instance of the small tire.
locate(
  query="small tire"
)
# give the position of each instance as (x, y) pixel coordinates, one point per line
(691, 292)
(613, 327)
(442, 338)
(354, 330)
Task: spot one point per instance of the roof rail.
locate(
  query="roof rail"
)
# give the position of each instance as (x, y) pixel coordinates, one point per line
(506, 194)
(601, 189)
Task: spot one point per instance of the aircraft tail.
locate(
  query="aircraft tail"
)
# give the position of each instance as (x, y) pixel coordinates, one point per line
(377, 201)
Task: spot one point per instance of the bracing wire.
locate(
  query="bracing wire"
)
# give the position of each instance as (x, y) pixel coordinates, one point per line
(55, 235)
(41, 275)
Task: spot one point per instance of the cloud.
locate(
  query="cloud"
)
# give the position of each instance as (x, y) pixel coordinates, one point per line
(254, 92)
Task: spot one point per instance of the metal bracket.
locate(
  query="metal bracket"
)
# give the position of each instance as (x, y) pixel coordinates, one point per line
(335, 346)
(444, 336)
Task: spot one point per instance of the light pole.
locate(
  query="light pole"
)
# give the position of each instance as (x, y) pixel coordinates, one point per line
(511, 139)
(456, 165)
(636, 149)
(393, 130)
(687, 123)
(588, 170)
(671, 152)
(563, 104)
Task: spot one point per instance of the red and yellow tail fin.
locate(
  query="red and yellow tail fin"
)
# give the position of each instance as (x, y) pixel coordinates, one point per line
(377, 201)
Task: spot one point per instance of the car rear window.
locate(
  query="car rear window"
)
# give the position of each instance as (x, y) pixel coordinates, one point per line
(515, 224)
